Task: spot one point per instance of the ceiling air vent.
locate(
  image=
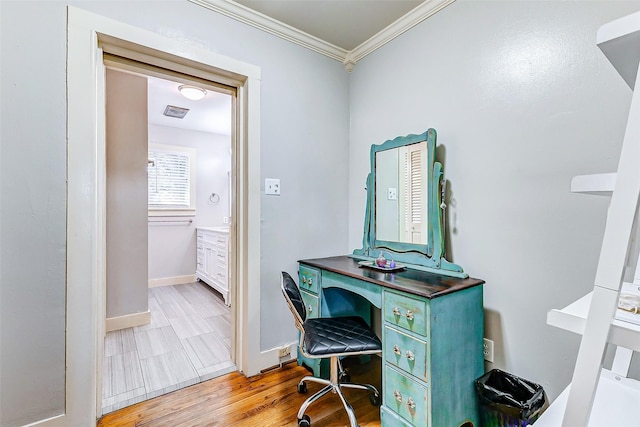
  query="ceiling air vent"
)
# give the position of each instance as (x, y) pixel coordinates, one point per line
(177, 112)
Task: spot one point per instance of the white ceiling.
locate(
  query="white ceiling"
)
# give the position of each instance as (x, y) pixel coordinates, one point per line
(210, 114)
(346, 30)
(343, 23)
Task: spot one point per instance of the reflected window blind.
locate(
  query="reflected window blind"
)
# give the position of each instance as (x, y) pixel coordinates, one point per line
(169, 179)
(413, 186)
(416, 186)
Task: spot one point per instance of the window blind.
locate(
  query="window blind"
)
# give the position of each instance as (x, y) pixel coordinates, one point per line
(169, 179)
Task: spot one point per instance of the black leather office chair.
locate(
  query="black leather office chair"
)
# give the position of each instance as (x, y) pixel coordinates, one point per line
(330, 337)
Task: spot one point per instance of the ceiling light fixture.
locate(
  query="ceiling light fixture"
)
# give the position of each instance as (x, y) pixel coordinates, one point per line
(192, 92)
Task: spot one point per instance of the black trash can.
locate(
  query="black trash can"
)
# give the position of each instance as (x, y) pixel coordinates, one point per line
(509, 401)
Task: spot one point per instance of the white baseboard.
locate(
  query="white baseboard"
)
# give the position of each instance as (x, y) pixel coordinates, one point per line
(175, 280)
(269, 358)
(57, 421)
(127, 321)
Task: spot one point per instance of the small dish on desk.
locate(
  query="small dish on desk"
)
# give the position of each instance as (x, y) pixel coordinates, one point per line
(387, 268)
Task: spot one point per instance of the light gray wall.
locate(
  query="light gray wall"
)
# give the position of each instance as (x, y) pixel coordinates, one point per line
(304, 142)
(522, 100)
(126, 222)
(172, 246)
(32, 225)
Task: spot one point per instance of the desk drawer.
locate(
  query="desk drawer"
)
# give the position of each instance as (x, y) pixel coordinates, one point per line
(406, 312)
(406, 352)
(405, 397)
(311, 304)
(309, 279)
(391, 419)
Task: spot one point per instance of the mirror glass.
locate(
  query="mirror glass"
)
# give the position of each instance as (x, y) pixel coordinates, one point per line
(401, 194)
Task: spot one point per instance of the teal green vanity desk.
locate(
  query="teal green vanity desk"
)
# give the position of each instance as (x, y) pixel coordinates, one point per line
(431, 311)
(431, 335)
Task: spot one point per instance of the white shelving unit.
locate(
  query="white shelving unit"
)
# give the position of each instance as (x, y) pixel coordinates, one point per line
(574, 318)
(600, 184)
(598, 397)
(615, 404)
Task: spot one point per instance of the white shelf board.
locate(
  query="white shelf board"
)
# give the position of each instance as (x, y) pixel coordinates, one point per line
(615, 404)
(574, 317)
(601, 184)
(619, 40)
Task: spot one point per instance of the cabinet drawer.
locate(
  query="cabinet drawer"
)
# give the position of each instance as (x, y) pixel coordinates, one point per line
(221, 278)
(405, 397)
(406, 352)
(311, 304)
(221, 258)
(309, 279)
(209, 238)
(220, 240)
(389, 418)
(406, 312)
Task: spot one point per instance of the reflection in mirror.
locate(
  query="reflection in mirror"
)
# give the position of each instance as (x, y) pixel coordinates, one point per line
(401, 194)
(404, 213)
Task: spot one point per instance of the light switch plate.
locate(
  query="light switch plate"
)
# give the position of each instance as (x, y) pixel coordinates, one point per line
(272, 186)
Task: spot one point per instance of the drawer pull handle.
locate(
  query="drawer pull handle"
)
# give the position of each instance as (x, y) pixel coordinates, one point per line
(409, 315)
(409, 353)
(411, 404)
(304, 279)
(310, 281)
(309, 309)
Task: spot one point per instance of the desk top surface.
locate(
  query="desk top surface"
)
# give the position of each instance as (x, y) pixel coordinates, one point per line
(416, 282)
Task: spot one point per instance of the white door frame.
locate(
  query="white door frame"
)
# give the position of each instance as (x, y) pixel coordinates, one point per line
(86, 32)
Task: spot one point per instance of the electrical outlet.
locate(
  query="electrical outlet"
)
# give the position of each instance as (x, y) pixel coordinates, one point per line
(487, 349)
(392, 193)
(284, 351)
(272, 186)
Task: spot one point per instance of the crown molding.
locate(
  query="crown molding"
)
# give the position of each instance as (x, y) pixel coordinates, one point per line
(348, 58)
(265, 23)
(400, 26)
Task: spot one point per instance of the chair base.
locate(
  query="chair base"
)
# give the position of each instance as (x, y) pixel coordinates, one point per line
(334, 385)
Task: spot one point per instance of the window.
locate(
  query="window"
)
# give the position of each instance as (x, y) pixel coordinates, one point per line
(171, 180)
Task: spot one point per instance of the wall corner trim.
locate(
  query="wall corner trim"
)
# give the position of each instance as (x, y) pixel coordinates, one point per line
(347, 57)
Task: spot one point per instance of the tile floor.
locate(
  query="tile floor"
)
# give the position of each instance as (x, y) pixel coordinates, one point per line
(187, 342)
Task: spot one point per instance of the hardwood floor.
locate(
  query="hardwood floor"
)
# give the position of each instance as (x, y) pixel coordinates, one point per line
(269, 399)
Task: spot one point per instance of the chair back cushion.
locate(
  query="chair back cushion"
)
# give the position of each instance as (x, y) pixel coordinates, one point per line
(294, 298)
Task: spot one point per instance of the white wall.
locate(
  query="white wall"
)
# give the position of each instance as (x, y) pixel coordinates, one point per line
(304, 142)
(172, 245)
(522, 100)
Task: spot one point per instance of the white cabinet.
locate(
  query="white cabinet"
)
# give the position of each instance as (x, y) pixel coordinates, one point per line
(212, 266)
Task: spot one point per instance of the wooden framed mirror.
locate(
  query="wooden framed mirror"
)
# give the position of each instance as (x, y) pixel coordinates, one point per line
(403, 218)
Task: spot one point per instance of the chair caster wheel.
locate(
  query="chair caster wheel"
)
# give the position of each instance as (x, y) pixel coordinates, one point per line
(305, 421)
(375, 400)
(345, 377)
(302, 388)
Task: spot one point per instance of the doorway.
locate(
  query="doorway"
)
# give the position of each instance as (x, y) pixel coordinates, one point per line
(168, 167)
(89, 36)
